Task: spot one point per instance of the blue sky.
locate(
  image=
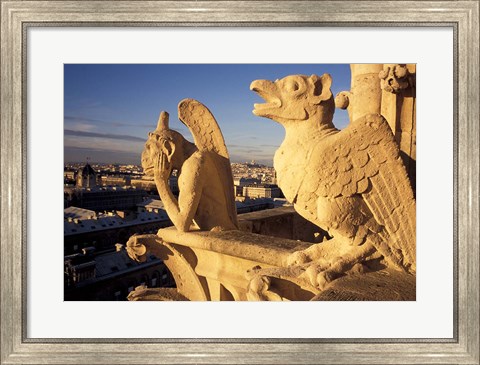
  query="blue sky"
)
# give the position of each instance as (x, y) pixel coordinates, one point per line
(110, 108)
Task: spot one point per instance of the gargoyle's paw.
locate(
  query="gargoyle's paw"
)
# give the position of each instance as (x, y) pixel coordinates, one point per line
(297, 258)
(135, 250)
(312, 272)
(259, 284)
(320, 276)
(323, 279)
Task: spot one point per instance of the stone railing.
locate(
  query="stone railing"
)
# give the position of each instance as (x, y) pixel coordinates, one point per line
(241, 265)
(220, 265)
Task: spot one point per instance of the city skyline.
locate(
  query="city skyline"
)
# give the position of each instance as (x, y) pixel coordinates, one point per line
(110, 108)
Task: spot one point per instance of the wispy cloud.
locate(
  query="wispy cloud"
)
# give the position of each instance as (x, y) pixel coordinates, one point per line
(69, 132)
(249, 150)
(71, 118)
(80, 119)
(78, 154)
(267, 160)
(81, 126)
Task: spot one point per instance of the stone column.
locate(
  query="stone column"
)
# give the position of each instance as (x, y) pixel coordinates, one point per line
(398, 108)
(365, 92)
(389, 90)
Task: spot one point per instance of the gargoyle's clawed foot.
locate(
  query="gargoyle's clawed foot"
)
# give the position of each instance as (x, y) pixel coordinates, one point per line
(319, 274)
(138, 245)
(321, 278)
(259, 289)
(324, 278)
(297, 258)
(136, 250)
(322, 275)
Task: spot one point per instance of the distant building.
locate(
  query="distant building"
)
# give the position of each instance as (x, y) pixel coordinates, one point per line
(281, 202)
(173, 183)
(105, 198)
(86, 177)
(86, 228)
(247, 205)
(239, 183)
(253, 164)
(244, 181)
(115, 180)
(262, 191)
(151, 205)
(69, 175)
(147, 183)
(112, 275)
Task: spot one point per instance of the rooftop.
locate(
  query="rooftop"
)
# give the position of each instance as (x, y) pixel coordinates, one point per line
(78, 213)
(86, 170)
(105, 221)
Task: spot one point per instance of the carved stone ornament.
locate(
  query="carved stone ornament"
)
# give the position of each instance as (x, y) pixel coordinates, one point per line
(351, 182)
(396, 78)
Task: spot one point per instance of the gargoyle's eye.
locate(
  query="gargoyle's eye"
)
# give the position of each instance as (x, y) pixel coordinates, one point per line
(295, 86)
(292, 86)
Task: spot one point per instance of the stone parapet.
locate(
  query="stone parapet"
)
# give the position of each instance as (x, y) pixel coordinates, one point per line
(238, 265)
(209, 265)
(273, 251)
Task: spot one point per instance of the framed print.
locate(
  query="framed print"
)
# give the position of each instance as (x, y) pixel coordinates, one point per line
(39, 42)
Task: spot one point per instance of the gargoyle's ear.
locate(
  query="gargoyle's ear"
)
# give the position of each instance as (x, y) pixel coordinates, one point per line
(321, 88)
(168, 148)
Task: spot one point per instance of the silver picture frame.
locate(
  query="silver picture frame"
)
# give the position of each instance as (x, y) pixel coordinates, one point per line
(18, 16)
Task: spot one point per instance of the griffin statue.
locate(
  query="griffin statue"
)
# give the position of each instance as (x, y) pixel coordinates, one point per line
(351, 182)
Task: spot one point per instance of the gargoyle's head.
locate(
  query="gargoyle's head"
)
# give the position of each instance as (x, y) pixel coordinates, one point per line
(160, 142)
(295, 98)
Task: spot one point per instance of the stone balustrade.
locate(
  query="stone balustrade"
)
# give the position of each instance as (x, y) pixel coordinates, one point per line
(241, 265)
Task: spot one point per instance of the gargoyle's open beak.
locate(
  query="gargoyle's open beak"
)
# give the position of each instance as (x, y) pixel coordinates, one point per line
(267, 90)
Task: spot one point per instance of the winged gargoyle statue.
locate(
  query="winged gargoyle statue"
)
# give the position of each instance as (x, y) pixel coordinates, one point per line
(351, 182)
(206, 199)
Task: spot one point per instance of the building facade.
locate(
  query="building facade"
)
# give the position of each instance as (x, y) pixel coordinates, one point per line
(86, 177)
(262, 191)
(105, 198)
(110, 276)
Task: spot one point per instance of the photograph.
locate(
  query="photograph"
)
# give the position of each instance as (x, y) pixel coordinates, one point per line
(239, 182)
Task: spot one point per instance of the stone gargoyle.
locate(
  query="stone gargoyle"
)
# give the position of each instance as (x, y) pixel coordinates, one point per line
(206, 199)
(351, 182)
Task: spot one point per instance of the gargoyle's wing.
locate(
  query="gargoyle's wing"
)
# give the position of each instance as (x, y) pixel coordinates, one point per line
(208, 137)
(364, 159)
(202, 124)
